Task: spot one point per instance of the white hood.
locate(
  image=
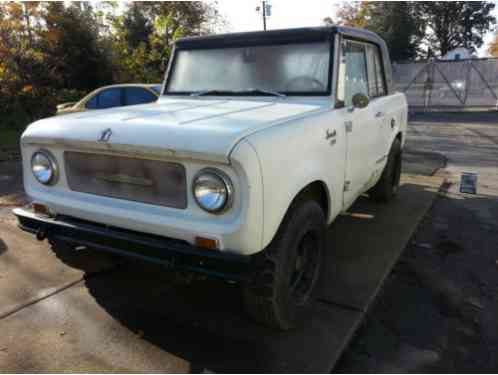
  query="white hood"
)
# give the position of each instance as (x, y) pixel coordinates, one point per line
(200, 128)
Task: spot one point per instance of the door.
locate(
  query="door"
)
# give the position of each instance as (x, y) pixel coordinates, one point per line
(361, 124)
(379, 106)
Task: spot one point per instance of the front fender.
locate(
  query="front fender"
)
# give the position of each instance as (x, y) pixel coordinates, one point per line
(292, 157)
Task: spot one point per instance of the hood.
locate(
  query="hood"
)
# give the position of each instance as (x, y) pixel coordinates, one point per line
(199, 128)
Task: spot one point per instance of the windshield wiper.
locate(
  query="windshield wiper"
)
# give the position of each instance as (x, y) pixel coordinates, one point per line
(263, 91)
(231, 92)
(207, 92)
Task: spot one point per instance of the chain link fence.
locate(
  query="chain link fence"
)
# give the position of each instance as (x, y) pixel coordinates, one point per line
(449, 85)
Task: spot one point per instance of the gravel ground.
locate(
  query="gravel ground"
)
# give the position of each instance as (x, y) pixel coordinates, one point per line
(437, 311)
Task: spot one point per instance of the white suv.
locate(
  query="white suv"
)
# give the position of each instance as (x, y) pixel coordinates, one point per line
(258, 141)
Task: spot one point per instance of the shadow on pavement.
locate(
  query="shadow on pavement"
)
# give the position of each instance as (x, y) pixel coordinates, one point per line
(203, 321)
(88, 261)
(484, 117)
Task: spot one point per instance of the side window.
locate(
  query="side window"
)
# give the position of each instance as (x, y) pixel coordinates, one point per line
(352, 72)
(372, 74)
(138, 95)
(376, 85)
(110, 98)
(381, 81)
(92, 103)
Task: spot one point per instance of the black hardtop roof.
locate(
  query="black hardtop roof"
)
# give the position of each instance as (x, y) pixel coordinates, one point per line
(276, 36)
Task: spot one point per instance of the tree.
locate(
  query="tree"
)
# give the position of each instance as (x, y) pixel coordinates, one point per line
(392, 20)
(23, 74)
(145, 33)
(493, 48)
(353, 14)
(70, 40)
(455, 24)
(49, 53)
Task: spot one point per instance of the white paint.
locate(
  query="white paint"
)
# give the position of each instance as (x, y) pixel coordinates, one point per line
(270, 147)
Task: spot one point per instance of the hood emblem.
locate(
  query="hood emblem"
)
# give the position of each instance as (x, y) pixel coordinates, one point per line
(105, 135)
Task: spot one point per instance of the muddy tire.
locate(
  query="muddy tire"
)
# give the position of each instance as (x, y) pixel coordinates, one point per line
(287, 271)
(388, 185)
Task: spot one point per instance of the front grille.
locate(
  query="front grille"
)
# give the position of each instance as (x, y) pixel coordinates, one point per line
(147, 181)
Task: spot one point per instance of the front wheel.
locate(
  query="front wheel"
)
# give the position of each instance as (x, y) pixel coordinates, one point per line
(388, 185)
(286, 272)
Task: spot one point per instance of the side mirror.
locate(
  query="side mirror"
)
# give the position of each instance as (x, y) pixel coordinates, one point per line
(360, 100)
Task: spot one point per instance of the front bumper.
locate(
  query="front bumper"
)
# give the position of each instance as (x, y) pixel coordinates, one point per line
(167, 252)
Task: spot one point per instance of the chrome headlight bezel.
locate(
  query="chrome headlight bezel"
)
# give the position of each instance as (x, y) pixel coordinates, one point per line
(219, 176)
(51, 162)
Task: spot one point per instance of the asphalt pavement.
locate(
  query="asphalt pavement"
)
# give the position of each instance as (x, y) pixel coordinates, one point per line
(437, 310)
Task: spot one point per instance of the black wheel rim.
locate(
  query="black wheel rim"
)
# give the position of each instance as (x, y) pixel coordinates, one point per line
(305, 268)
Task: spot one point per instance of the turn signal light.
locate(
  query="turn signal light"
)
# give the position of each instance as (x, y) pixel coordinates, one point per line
(207, 243)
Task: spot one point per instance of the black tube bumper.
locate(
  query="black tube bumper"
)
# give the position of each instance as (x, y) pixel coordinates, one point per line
(167, 252)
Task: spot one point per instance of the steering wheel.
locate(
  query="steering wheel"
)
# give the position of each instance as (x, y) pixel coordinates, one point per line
(306, 81)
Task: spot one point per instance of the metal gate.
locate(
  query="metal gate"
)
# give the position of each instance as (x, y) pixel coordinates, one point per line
(449, 85)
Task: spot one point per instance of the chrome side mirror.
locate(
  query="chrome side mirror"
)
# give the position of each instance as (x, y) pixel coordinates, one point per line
(360, 100)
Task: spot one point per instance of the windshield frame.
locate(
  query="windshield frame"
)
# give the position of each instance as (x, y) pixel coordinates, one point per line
(328, 38)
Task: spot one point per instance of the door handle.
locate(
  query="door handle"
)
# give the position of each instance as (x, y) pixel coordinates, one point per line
(379, 114)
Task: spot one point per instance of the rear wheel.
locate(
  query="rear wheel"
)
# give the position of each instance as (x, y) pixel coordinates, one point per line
(287, 270)
(388, 185)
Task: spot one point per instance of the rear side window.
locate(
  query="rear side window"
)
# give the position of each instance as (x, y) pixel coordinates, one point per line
(376, 82)
(109, 98)
(138, 95)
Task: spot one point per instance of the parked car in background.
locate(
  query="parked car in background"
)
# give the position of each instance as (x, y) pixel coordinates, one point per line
(113, 96)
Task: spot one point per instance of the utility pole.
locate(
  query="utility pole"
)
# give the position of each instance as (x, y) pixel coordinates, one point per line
(264, 15)
(265, 10)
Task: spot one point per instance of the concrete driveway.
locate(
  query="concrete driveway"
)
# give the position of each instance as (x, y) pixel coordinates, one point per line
(83, 312)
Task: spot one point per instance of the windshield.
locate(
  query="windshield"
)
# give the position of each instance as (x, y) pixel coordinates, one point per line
(290, 69)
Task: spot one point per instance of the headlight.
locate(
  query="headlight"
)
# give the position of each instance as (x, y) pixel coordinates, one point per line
(213, 190)
(44, 167)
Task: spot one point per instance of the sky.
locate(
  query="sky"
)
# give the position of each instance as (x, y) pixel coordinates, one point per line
(242, 15)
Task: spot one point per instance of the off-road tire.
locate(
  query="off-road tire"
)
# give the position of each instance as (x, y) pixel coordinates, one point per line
(388, 185)
(270, 298)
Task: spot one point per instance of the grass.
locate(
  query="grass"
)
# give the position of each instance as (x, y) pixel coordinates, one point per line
(9, 138)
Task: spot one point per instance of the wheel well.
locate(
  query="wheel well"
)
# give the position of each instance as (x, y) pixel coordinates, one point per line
(316, 191)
